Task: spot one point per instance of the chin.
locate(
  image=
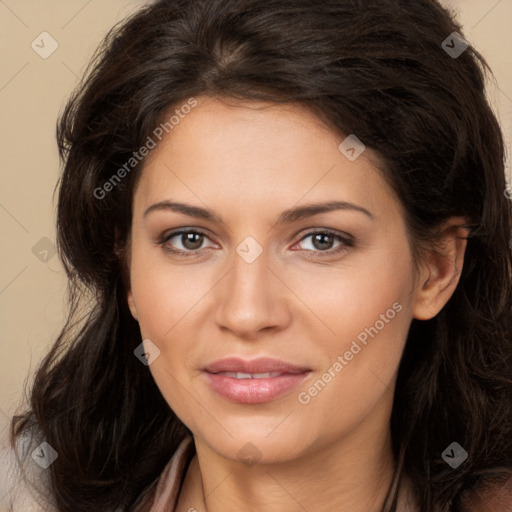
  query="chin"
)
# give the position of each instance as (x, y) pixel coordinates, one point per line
(263, 442)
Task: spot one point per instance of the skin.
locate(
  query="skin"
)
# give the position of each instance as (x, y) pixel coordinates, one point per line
(248, 162)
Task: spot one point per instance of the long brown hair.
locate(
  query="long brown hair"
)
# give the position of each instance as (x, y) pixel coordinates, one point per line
(376, 68)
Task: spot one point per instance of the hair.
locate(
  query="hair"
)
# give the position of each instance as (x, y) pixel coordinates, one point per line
(374, 68)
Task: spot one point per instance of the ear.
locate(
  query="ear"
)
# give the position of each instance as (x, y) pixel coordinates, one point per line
(131, 304)
(440, 270)
(123, 254)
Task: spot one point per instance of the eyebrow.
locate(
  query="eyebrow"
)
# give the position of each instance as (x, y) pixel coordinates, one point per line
(287, 217)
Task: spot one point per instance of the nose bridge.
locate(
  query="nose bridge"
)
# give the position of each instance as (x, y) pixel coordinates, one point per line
(250, 296)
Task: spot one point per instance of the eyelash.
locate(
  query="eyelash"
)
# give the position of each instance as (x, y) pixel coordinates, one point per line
(346, 242)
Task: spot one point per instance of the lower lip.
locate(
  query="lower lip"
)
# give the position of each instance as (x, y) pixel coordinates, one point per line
(254, 391)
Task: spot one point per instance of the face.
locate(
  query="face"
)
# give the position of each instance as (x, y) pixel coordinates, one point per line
(327, 294)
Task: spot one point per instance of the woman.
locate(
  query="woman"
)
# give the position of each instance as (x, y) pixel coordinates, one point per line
(288, 245)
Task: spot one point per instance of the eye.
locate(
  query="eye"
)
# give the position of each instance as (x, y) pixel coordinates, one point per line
(188, 242)
(322, 242)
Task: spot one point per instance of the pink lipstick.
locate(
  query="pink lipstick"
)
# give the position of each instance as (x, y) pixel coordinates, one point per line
(256, 381)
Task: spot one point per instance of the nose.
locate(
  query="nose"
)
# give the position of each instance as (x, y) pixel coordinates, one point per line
(251, 298)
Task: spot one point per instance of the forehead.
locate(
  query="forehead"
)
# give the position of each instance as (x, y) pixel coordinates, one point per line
(248, 155)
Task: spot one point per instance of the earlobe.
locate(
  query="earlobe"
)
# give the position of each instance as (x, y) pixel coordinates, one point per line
(440, 270)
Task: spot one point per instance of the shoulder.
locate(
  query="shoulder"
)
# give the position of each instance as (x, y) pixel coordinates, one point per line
(24, 485)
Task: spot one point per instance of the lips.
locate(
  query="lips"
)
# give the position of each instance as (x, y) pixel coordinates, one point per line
(256, 381)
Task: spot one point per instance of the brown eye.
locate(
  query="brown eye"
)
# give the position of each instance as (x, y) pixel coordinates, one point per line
(192, 240)
(184, 242)
(324, 242)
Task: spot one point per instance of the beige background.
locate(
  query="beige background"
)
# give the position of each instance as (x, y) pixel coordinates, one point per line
(32, 92)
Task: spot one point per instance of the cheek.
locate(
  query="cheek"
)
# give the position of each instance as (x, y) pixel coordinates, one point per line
(165, 295)
(168, 300)
(357, 293)
(165, 298)
(367, 309)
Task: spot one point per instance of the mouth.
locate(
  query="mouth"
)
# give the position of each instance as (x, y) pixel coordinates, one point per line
(254, 382)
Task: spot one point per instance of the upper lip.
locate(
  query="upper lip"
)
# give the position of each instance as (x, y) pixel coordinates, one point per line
(260, 365)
